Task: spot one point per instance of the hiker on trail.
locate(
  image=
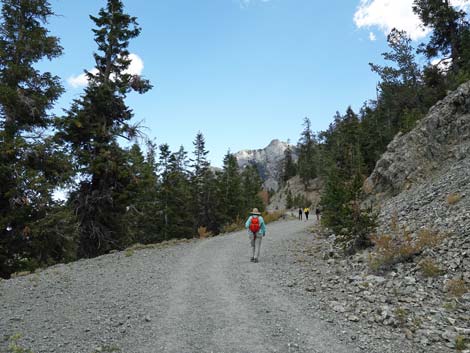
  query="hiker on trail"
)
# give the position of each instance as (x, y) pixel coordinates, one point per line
(317, 212)
(256, 230)
(300, 214)
(306, 211)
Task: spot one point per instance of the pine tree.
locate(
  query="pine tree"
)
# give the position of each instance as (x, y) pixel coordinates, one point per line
(31, 164)
(142, 195)
(176, 218)
(200, 177)
(448, 26)
(307, 163)
(230, 190)
(289, 167)
(251, 186)
(400, 102)
(92, 127)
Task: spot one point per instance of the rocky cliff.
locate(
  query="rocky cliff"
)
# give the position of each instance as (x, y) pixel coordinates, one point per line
(268, 161)
(423, 179)
(439, 140)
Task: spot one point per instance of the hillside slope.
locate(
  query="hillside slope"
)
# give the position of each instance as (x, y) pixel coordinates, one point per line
(423, 179)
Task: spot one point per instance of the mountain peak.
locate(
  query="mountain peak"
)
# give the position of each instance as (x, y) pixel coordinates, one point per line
(267, 160)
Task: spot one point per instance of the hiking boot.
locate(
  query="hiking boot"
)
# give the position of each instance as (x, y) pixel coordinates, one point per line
(252, 259)
(255, 260)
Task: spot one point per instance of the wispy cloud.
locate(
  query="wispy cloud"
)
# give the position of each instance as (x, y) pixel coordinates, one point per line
(135, 68)
(244, 3)
(372, 37)
(388, 14)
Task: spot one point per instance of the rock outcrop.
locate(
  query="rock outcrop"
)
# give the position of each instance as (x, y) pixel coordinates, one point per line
(439, 140)
(268, 161)
(423, 179)
(296, 187)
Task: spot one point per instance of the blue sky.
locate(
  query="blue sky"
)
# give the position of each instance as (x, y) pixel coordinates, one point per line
(243, 72)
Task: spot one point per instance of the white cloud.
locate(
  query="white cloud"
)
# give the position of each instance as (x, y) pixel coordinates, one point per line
(372, 37)
(442, 64)
(80, 80)
(244, 3)
(135, 68)
(389, 14)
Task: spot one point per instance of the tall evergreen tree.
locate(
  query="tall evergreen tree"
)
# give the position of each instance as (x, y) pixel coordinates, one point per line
(400, 102)
(142, 195)
(230, 190)
(251, 186)
(200, 179)
(92, 127)
(31, 164)
(176, 218)
(307, 163)
(448, 26)
(289, 167)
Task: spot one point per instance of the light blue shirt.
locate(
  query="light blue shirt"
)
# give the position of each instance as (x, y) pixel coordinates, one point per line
(262, 229)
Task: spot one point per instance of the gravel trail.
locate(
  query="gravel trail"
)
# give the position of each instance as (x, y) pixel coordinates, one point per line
(201, 296)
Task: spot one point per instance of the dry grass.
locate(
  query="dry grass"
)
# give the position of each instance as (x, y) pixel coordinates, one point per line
(239, 224)
(129, 252)
(20, 274)
(204, 233)
(272, 216)
(460, 343)
(453, 198)
(15, 347)
(450, 306)
(400, 247)
(163, 244)
(401, 314)
(429, 268)
(457, 288)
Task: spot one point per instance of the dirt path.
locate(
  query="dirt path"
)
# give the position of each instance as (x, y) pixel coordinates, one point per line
(204, 296)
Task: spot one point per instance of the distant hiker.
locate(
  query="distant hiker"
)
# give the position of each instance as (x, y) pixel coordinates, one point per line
(300, 214)
(306, 211)
(317, 212)
(256, 230)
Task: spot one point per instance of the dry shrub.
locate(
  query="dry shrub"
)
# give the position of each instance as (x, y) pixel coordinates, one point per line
(20, 274)
(204, 233)
(401, 315)
(453, 198)
(400, 247)
(272, 216)
(429, 268)
(457, 287)
(428, 239)
(239, 224)
(394, 222)
(460, 343)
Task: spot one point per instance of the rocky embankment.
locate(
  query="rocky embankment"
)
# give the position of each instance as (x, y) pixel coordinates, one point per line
(440, 140)
(402, 304)
(420, 189)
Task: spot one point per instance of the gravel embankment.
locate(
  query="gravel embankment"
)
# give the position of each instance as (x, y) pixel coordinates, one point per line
(201, 296)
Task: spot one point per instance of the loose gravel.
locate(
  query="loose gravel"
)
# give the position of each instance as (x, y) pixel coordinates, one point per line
(199, 296)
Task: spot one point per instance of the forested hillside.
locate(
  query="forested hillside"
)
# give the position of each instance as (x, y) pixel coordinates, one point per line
(346, 153)
(116, 196)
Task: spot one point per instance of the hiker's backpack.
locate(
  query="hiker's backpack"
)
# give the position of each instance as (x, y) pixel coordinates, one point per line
(254, 225)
